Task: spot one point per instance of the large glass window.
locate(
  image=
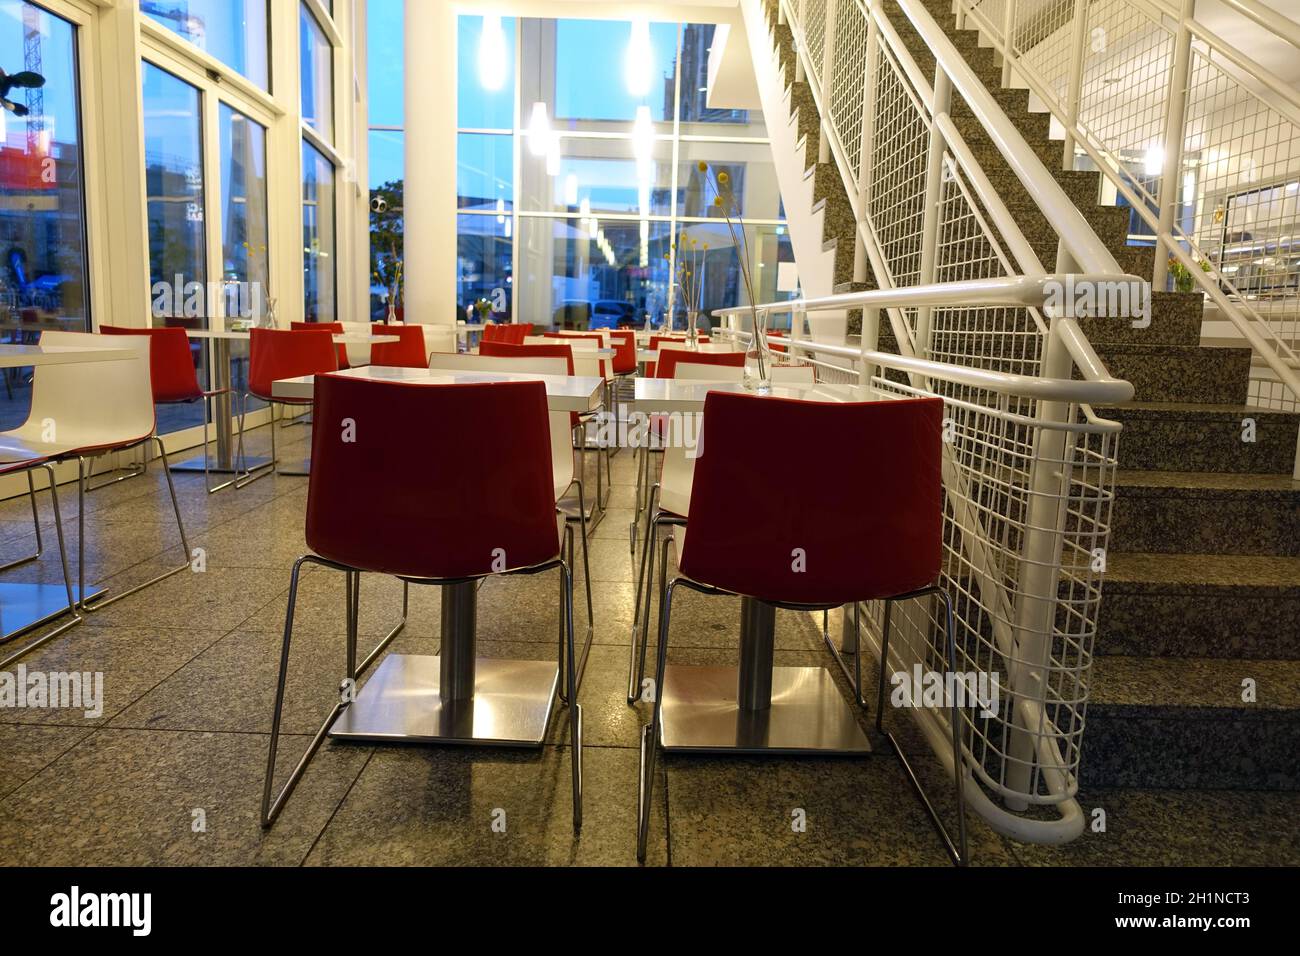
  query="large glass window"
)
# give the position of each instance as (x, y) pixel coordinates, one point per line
(317, 76)
(43, 281)
(234, 31)
(580, 197)
(173, 161)
(244, 234)
(319, 246)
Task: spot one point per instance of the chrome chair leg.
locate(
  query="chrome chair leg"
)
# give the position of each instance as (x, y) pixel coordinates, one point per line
(67, 581)
(135, 470)
(99, 602)
(650, 734)
(640, 619)
(256, 474)
(855, 678)
(234, 479)
(575, 709)
(957, 849)
(36, 523)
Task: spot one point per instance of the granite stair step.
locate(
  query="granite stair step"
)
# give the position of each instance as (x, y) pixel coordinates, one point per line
(1181, 723)
(1190, 512)
(1177, 373)
(1176, 319)
(1200, 605)
(1172, 436)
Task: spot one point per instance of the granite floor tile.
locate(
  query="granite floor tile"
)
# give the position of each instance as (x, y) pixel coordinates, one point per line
(418, 806)
(26, 750)
(1179, 828)
(132, 661)
(218, 598)
(142, 798)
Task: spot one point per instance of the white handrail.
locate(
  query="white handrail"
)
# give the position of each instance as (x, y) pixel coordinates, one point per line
(1268, 18)
(1076, 235)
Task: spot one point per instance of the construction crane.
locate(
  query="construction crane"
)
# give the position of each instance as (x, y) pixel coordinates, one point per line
(32, 64)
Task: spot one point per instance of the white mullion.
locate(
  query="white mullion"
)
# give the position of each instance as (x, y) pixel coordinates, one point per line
(213, 213)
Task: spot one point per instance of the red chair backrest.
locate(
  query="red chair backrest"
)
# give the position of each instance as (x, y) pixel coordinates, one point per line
(491, 333)
(275, 354)
(758, 527)
(624, 342)
(408, 353)
(600, 343)
(335, 328)
(439, 515)
(681, 337)
(171, 363)
(510, 350)
(669, 359)
(779, 333)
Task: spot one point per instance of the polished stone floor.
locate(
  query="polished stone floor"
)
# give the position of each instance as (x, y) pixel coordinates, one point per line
(172, 771)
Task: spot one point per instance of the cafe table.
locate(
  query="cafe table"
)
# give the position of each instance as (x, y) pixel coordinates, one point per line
(512, 700)
(26, 605)
(223, 461)
(754, 707)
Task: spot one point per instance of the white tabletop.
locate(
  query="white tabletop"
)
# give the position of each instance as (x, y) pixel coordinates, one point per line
(21, 356)
(684, 395)
(344, 338)
(564, 393)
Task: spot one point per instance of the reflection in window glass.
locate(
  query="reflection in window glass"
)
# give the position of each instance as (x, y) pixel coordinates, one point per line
(173, 166)
(485, 265)
(576, 277)
(43, 282)
(317, 69)
(234, 31)
(721, 282)
(318, 213)
(486, 72)
(485, 172)
(385, 56)
(580, 69)
(604, 173)
(693, 107)
(244, 234)
(748, 166)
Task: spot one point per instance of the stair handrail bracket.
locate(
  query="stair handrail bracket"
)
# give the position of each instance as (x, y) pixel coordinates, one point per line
(1201, 141)
(964, 308)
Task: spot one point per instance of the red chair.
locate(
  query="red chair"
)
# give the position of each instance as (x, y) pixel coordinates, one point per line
(408, 353)
(624, 342)
(657, 340)
(175, 382)
(876, 537)
(671, 358)
(275, 354)
(442, 519)
(335, 328)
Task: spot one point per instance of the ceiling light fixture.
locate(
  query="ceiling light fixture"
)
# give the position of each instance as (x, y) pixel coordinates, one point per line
(492, 54)
(637, 59)
(539, 131)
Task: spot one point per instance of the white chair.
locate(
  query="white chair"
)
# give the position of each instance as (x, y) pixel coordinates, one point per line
(562, 466)
(673, 494)
(82, 411)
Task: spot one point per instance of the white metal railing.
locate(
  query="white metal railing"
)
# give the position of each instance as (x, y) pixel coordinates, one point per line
(1201, 140)
(1028, 465)
(1028, 473)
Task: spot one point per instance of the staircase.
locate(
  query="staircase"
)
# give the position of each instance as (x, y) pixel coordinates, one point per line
(1202, 592)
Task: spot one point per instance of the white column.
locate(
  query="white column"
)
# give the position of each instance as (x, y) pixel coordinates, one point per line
(430, 186)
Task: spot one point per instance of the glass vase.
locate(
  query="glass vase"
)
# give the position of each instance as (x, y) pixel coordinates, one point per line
(758, 358)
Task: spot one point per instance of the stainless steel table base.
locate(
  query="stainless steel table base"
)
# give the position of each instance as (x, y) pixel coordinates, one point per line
(808, 714)
(510, 706)
(195, 464)
(24, 607)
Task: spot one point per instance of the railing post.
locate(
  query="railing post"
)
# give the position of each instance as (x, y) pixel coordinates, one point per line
(1074, 89)
(866, 154)
(1175, 116)
(1008, 38)
(933, 197)
(826, 77)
